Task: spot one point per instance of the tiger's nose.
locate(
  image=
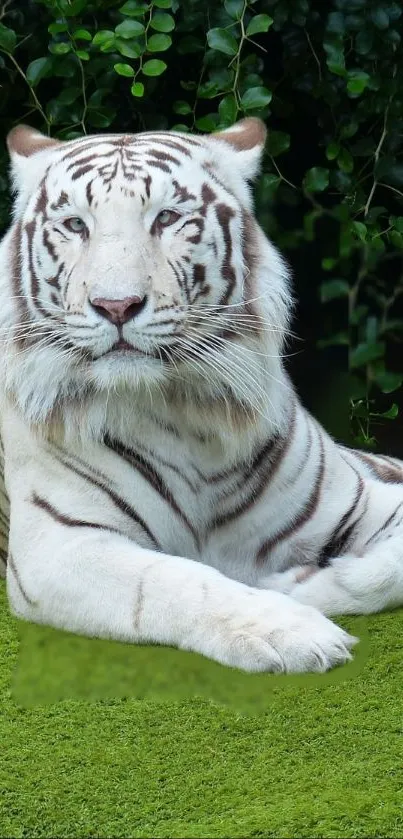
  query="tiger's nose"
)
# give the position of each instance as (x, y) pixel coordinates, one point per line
(118, 311)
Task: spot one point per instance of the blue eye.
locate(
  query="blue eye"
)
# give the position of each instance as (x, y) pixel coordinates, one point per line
(167, 217)
(75, 224)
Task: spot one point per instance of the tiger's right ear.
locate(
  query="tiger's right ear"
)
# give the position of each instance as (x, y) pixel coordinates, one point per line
(27, 148)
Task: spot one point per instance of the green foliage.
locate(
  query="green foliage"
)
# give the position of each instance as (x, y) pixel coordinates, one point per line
(326, 77)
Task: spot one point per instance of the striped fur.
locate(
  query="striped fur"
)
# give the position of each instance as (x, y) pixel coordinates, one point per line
(165, 483)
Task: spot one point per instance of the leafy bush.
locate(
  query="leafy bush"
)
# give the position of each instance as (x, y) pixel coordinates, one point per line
(326, 77)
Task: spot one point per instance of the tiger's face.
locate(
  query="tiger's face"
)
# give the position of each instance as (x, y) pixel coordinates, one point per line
(130, 254)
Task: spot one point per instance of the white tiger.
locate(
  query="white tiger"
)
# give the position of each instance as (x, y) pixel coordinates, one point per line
(165, 484)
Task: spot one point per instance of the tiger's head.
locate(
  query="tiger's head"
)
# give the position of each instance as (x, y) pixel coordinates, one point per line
(134, 261)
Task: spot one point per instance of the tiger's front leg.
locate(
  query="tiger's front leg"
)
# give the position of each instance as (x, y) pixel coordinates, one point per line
(83, 576)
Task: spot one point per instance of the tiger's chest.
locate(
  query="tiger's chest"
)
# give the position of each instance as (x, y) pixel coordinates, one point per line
(194, 501)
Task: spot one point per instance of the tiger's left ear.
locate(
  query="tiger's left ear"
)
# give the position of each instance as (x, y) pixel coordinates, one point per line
(246, 138)
(28, 150)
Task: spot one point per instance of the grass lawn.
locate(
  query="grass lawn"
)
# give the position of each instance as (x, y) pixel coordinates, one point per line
(106, 740)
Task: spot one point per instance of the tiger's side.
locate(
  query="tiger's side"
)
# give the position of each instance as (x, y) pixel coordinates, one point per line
(162, 482)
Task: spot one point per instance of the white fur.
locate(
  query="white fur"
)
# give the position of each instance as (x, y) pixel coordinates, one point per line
(203, 589)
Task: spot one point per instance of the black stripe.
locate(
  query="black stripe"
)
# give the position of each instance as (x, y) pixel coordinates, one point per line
(258, 474)
(155, 480)
(306, 513)
(62, 518)
(385, 525)
(121, 505)
(384, 472)
(162, 462)
(11, 564)
(338, 541)
(224, 215)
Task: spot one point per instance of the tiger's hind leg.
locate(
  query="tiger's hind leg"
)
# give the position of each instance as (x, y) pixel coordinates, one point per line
(350, 584)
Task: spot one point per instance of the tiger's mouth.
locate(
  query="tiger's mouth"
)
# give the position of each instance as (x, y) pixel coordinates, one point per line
(123, 347)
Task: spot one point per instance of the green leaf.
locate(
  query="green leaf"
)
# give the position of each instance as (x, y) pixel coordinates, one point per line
(336, 23)
(96, 98)
(391, 413)
(154, 67)
(61, 48)
(228, 110)
(83, 55)
(72, 8)
(364, 353)
(364, 41)
(208, 90)
(345, 161)
(133, 8)
(124, 70)
(65, 68)
(207, 123)
(255, 97)
(222, 41)
(181, 107)
(360, 230)
(37, 70)
(332, 150)
(278, 142)
(396, 239)
(316, 179)
(129, 29)
(137, 89)
(334, 48)
(101, 117)
(259, 23)
(82, 35)
(397, 222)
(8, 38)
(69, 95)
(333, 289)
(162, 4)
(102, 37)
(380, 18)
(162, 22)
(159, 43)
(130, 49)
(357, 82)
(55, 28)
(234, 8)
(388, 382)
(349, 129)
(269, 182)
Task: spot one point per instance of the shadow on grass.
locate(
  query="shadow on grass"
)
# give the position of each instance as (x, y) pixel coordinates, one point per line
(54, 666)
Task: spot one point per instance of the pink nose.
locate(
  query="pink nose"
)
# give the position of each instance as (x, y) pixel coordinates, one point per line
(118, 311)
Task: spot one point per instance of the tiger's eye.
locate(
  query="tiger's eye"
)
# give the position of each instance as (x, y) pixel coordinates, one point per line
(167, 217)
(75, 224)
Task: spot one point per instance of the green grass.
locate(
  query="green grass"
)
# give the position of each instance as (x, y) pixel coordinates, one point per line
(107, 740)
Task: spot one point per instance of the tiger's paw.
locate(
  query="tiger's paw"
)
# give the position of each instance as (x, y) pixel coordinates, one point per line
(270, 632)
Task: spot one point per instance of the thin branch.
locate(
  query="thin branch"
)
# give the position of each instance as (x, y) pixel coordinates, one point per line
(393, 188)
(33, 94)
(314, 55)
(280, 175)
